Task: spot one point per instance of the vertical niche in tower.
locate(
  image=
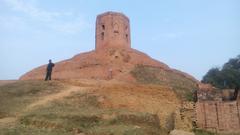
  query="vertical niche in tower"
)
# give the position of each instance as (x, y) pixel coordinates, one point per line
(103, 30)
(126, 33)
(115, 30)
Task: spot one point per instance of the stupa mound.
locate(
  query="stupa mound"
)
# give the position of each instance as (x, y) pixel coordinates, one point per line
(113, 57)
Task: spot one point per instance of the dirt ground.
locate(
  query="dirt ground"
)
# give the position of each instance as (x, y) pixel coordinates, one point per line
(153, 99)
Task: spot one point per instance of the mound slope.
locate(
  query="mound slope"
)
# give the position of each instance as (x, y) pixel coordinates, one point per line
(98, 64)
(85, 106)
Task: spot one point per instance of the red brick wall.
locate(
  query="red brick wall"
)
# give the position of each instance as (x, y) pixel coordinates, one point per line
(217, 115)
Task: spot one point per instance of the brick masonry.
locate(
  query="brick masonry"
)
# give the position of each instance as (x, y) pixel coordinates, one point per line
(112, 30)
(218, 115)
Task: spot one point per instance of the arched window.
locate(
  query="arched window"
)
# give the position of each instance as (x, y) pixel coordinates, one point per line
(103, 27)
(115, 28)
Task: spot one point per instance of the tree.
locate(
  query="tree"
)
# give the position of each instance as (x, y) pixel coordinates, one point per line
(227, 77)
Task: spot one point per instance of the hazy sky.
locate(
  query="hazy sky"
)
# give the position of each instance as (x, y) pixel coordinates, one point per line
(190, 35)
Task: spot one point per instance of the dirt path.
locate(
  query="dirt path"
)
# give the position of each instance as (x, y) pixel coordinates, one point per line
(8, 121)
(59, 95)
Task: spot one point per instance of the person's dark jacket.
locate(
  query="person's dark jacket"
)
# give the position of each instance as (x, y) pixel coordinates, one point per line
(50, 67)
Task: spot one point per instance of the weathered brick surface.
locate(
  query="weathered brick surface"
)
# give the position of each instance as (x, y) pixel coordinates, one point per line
(112, 30)
(184, 117)
(218, 115)
(209, 95)
(200, 112)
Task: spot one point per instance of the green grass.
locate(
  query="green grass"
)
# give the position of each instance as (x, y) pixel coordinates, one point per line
(81, 112)
(153, 75)
(202, 132)
(24, 130)
(15, 96)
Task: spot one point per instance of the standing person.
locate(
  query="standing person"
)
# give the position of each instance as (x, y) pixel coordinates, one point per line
(49, 70)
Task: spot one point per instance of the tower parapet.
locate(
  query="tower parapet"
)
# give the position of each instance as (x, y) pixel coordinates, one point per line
(112, 30)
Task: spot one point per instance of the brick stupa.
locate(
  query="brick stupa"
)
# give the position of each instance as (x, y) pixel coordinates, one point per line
(112, 52)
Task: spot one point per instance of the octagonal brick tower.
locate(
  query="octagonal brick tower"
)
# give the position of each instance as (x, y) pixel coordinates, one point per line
(112, 30)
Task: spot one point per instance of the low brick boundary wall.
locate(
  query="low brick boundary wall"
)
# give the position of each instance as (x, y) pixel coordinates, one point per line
(218, 115)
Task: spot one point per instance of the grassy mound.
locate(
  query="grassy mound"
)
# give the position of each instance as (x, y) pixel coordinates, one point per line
(183, 86)
(81, 114)
(74, 114)
(15, 96)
